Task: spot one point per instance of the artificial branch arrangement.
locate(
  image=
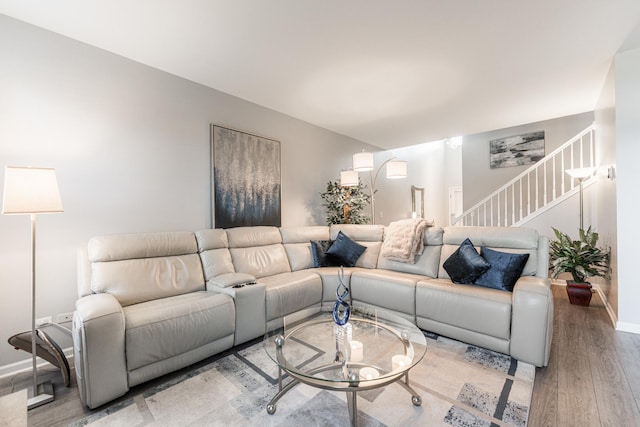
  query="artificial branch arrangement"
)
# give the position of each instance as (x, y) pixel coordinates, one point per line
(346, 205)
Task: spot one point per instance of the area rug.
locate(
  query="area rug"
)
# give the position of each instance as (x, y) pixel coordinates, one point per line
(460, 385)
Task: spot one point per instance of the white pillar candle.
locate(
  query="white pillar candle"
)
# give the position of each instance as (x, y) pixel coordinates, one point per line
(368, 373)
(357, 351)
(400, 361)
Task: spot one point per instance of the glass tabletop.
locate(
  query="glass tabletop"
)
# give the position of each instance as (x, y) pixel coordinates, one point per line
(374, 346)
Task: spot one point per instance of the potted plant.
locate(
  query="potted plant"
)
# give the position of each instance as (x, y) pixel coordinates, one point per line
(582, 258)
(345, 205)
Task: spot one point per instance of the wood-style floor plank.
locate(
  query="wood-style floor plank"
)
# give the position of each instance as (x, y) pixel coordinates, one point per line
(597, 368)
(628, 348)
(615, 400)
(576, 394)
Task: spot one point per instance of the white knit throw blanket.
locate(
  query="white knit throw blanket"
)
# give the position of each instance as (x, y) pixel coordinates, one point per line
(403, 239)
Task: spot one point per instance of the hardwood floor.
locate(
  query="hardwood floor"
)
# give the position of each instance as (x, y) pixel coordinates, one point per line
(593, 377)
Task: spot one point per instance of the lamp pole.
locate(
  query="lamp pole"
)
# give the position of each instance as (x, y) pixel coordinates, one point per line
(372, 185)
(581, 203)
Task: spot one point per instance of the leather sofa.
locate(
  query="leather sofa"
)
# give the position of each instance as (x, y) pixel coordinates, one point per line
(152, 303)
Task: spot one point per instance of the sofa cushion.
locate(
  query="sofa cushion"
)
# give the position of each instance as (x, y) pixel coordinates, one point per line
(465, 265)
(474, 308)
(319, 254)
(345, 250)
(216, 262)
(246, 237)
(391, 290)
(287, 293)
(260, 261)
(504, 271)
(133, 281)
(163, 328)
(504, 239)
(369, 258)
(425, 264)
(296, 242)
(213, 238)
(358, 232)
(116, 247)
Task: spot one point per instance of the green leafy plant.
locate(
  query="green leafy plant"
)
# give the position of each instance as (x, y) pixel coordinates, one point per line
(582, 258)
(345, 205)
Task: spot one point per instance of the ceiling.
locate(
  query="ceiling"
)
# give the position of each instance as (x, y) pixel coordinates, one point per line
(387, 73)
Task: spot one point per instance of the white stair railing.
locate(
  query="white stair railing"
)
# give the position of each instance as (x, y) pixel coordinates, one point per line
(537, 189)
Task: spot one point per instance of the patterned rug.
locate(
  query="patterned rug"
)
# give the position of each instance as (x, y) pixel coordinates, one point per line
(460, 385)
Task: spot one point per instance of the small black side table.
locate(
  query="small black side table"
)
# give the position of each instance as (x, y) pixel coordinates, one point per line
(50, 337)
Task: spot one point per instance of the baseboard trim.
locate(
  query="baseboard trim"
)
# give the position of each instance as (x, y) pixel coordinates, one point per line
(634, 328)
(26, 365)
(607, 306)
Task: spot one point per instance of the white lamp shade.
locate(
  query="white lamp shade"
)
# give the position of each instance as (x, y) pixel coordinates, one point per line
(349, 178)
(397, 169)
(30, 190)
(580, 173)
(363, 162)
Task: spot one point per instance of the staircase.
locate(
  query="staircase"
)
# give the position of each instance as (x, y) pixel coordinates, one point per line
(537, 189)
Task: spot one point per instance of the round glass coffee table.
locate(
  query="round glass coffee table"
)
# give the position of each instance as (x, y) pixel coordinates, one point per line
(374, 349)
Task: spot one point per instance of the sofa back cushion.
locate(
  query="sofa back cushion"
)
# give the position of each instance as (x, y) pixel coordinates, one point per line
(257, 251)
(366, 235)
(426, 264)
(213, 246)
(297, 244)
(504, 239)
(145, 266)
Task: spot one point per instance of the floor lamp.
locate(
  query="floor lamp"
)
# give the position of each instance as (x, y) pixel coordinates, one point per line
(32, 191)
(580, 174)
(363, 162)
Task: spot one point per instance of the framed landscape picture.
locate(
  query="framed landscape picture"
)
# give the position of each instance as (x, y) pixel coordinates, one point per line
(517, 150)
(246, 179)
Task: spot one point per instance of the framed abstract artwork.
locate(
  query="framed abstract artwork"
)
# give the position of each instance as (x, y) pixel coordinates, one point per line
(517, 150)
(246, 186)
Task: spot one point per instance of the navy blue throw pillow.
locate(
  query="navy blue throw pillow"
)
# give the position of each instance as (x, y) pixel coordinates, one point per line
(505, 269)
(465, 265)
(319, 250)
(346, 250)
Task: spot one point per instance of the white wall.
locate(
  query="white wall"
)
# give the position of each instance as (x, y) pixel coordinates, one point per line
(627, 119)
(131, 148)
(429, 166)
(606, 189)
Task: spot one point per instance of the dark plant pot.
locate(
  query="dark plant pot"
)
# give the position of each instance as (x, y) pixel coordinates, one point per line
(579, 293)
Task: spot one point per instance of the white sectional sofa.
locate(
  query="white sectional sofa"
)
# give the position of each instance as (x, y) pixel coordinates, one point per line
(151, 303)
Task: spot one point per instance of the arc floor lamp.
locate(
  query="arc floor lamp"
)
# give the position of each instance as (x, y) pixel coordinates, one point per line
(32, 191)
(363, 162)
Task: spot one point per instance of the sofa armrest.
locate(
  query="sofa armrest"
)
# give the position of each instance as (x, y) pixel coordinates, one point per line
(249, 300)
(532, 320)
(99, 349)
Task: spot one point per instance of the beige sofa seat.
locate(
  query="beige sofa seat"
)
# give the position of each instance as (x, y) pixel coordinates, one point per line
(288, 293)
(160, 331)
(488, 317)
(390, 290)
(145, 303)
(481, 315)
